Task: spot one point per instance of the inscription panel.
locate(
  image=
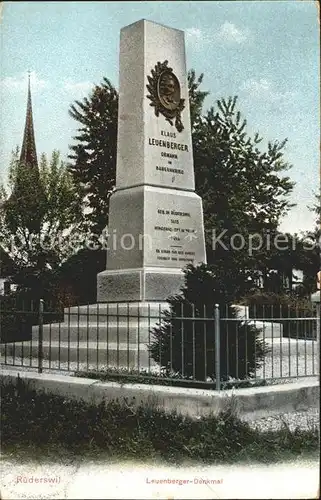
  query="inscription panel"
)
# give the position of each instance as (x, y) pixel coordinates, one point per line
(173, 229)
(170, 160)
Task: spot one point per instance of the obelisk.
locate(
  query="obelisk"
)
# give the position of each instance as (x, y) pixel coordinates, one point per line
(156, 219)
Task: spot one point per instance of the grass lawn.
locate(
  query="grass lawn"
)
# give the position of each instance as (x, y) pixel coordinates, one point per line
(39, 423)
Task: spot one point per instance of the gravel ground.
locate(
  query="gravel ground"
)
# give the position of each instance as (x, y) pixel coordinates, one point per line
(298, 419)
(290, 358)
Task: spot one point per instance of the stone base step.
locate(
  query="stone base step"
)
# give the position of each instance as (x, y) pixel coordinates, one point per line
(285, 347)
(111, 312)
(117, 330)
(96, 332)
(268, 329)
(105, 322)
(102, 354)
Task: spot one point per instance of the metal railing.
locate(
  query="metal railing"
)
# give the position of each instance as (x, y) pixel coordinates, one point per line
(191, 344)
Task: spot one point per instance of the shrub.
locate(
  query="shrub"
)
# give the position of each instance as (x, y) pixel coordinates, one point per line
(184, 341)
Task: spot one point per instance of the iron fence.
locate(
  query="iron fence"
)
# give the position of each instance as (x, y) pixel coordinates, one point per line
(188, 345)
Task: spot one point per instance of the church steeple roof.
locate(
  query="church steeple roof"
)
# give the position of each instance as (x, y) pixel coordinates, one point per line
(28, 150)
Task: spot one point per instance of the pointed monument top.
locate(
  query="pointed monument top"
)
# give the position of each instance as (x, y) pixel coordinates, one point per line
(144, 21)
(28, 150)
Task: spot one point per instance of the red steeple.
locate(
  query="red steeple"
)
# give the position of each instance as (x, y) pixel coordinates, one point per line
(28, 151)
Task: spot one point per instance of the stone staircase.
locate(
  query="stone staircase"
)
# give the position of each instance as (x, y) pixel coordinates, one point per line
(113, 335)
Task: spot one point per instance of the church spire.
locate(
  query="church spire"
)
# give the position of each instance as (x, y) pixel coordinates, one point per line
(28, 151)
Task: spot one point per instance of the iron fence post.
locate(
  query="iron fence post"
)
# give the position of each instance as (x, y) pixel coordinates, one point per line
(40, 339)
(217, 347)
(316, 299)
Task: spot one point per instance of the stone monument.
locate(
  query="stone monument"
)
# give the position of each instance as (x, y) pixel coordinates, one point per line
(156, 219)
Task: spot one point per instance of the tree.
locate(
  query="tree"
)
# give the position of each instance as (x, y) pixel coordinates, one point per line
(78, 276)
(241, 186)
(41, 220)
(94, 156)
(196, 98)
(312, 256)
(25, 205)
(7, 267)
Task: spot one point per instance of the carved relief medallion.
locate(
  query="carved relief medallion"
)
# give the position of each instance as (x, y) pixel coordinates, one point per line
(165, 94)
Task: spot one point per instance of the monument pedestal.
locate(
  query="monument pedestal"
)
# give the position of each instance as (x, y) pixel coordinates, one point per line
(153, 233)
(98, 336)
(270, 331)
(316, 297)
(145, 284)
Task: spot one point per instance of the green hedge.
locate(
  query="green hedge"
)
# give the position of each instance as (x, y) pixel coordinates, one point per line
(187, 347)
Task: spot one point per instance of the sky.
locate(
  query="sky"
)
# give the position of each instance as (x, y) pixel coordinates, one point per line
(265, 52)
